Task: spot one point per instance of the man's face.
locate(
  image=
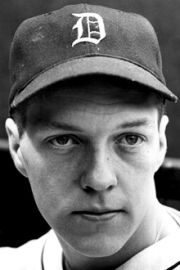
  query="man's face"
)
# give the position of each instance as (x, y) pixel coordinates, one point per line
(90, 159)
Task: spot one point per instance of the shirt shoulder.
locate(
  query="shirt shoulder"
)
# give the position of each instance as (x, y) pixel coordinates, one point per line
(176, 266)
(175, 214)
(25, 257)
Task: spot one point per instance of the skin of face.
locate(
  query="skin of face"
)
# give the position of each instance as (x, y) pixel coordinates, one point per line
(90, 159)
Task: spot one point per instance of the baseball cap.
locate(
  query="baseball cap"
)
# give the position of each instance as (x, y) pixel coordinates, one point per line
(84, 39)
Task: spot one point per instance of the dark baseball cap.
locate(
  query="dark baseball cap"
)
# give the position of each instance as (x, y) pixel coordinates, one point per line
(80, 40)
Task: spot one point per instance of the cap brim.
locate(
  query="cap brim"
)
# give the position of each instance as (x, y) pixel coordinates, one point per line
(93, 65)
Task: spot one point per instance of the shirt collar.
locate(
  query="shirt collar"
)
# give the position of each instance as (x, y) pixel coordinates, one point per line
(52, 254)
(160, 256)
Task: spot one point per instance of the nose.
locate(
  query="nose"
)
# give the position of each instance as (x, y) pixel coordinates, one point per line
(98, 175)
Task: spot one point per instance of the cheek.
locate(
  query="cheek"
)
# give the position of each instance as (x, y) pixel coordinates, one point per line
(54, 182)
(136, 178)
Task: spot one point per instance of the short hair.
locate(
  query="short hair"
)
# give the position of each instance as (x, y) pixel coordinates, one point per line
(138, 94)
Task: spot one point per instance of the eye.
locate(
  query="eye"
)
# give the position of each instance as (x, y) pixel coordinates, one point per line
(64, 141)
(130, 140)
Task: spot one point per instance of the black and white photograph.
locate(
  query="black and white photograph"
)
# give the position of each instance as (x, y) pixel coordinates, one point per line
(89, 135)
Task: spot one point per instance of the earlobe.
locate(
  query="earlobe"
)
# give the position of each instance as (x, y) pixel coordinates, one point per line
(14, 145)
(162, 137)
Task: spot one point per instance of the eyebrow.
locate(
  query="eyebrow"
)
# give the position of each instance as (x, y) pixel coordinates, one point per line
(71, 127)
(135, 123)
(65, 126)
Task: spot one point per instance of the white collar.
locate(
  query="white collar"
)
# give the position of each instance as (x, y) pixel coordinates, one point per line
(159, 256)
(52, 253)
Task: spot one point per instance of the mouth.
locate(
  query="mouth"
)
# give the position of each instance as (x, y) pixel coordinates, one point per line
(98, 216)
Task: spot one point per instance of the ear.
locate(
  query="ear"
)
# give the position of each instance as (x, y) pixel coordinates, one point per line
(14, 145)
(162, 137)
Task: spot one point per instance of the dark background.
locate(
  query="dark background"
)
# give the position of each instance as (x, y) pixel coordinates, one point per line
(19, 218)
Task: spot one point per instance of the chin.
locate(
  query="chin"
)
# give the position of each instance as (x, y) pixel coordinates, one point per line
(99, 246)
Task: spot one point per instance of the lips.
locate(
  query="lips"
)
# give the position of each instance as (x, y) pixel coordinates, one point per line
(98, 215)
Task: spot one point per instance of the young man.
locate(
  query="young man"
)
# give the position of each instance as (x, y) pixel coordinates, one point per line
(87, 128)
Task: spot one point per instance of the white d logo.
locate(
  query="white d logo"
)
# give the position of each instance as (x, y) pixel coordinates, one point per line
(94, 25)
